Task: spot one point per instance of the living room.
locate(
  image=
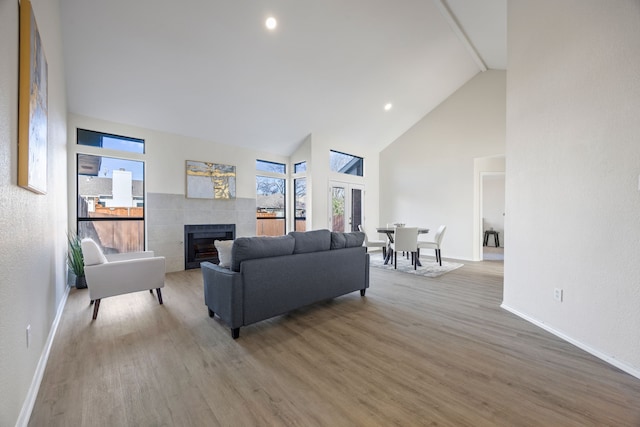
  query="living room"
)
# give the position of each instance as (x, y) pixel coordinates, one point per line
(563, 117)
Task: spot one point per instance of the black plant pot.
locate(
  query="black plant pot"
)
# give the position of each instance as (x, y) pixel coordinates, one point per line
(81, 282)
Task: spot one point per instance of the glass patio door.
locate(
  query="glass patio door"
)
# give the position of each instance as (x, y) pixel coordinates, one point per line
(346, 206)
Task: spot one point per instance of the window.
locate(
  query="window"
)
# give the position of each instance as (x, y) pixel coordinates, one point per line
(300, 196)
(112, 142)
(270, 199)
(300, 167)
(265, 166)
(300, 185)
(346, 163)
(111, 201)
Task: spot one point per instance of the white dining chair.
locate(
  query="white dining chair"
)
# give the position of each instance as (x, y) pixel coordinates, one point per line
(374, 243)
(405, 239)
(435, 244)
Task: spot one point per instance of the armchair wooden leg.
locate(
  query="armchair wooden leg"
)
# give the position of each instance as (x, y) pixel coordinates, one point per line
(150, 291)
(96, 307)
(235, 333)
(159, 295)
(211, 313)
(362, 292)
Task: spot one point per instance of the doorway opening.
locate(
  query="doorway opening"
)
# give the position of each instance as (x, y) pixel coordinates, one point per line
(492, 189)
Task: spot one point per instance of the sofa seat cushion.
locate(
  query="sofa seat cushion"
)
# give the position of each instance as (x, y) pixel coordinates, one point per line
(260, 247)
(311, 241)
(346, 240)
(224, 252)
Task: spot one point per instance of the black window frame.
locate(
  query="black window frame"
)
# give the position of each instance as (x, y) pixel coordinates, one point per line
(358, 166)
(87, 219)
(110, 135)
(273, 174)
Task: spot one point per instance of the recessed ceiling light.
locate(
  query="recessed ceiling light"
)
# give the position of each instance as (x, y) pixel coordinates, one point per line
(271, 23)
(387, 106)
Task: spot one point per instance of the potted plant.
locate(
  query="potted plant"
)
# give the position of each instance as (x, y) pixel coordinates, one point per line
(75, 261)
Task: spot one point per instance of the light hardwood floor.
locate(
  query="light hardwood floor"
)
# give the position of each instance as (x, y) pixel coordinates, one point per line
(414, 351)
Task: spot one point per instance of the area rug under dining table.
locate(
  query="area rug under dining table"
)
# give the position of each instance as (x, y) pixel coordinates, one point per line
(429, 268)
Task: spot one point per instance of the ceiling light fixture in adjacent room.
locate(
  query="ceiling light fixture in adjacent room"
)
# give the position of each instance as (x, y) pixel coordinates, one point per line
(388, 106)
(271, 23)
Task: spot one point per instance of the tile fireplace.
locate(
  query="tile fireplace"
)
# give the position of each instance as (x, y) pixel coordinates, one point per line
(198, 242)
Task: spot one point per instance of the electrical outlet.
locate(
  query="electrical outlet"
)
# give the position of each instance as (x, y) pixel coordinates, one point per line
(557, 294)
(28, 335)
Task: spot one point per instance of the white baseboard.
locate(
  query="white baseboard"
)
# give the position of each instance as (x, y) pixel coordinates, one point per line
(27, 406)
(600, 355)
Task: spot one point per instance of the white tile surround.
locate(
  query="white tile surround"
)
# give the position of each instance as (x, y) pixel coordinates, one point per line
(167, 214)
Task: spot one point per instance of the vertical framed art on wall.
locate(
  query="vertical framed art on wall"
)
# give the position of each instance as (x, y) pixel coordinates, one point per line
(32, 105)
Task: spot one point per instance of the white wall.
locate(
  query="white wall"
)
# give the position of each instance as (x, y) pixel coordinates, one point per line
(33, 244)
(573, 160)
(427, 176)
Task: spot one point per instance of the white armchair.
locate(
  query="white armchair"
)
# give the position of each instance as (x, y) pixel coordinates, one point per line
(119, 274)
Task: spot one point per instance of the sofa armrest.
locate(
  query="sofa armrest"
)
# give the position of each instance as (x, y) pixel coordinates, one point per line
(223, 293)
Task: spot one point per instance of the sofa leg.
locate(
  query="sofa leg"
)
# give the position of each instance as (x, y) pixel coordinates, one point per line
(211, 313)
(235, 333)
(362, 292)
(96, 306)
(159, 295)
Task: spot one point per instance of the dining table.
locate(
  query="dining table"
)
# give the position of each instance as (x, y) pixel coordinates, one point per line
(389, 231)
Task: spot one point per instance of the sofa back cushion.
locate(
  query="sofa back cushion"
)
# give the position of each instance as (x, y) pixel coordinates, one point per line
(346, 240)
(259, 247)
(311, 241)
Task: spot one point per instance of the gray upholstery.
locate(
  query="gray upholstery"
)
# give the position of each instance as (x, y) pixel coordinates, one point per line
(346, 240)
(259, 247)
(269, 286)
(311, 241)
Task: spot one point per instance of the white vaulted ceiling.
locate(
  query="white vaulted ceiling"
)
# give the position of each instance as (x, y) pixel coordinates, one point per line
(210, 69)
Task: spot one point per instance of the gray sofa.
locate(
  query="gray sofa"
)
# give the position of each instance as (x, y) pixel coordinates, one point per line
(270, 276)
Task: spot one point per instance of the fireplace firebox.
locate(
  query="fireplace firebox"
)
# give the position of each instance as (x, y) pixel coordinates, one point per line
(198, 242)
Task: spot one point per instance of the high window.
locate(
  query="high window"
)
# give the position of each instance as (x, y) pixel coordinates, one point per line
(111, 196)
(300, 167)
(112, 142)
(346, 163)
(270, 198)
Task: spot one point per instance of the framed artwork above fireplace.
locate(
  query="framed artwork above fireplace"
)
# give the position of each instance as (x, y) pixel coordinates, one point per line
(206, 180)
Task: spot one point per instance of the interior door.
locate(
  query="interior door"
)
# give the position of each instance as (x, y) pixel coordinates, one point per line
(346, 206)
